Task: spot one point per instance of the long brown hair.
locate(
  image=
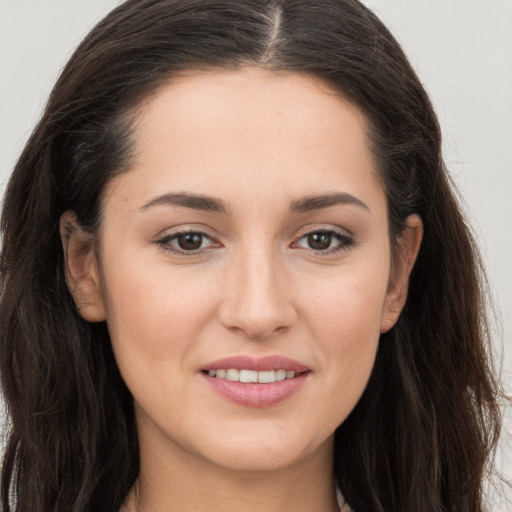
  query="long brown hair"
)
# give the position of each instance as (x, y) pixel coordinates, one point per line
(420, 437)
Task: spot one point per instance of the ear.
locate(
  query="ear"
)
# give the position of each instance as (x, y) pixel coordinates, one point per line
(408, 246)
(82, 271)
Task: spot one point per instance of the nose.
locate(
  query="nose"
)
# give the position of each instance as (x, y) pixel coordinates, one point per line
(256, 297)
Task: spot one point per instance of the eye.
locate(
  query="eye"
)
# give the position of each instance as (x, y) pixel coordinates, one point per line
(324, 241)
(186, 242)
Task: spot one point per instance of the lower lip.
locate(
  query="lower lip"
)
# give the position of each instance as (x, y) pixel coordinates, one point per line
(257, 395)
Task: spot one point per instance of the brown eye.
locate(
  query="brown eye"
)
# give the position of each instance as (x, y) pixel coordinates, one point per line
(190, 241)
(324, 242)
(319, 241)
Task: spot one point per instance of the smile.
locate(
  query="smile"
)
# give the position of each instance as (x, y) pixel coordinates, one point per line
(256, 382)
(261, 377)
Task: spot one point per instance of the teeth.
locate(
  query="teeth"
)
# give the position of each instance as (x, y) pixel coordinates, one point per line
(263, 377)
(266, 377)
(280, 374)
(233, 375)
(248, 376)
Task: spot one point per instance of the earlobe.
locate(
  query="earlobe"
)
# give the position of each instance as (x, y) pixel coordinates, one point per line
(407, 250)
(81, 266)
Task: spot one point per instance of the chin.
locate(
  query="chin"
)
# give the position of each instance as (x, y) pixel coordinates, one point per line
(254, 461)
(264, 453)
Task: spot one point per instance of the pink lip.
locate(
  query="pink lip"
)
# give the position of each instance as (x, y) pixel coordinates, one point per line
(252, 394)
(261, 364)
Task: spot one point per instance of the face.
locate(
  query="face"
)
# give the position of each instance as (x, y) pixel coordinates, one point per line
(248, 242)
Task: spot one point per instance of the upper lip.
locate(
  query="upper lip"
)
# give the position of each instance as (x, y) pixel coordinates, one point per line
(267, 363)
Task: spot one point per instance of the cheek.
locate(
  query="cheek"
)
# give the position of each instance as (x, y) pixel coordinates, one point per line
(346, 308)
(154, 317)
(344, 315)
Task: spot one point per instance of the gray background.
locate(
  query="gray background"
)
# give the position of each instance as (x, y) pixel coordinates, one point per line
(462, 50)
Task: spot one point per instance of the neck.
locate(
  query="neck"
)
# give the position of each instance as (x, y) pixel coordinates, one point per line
(173, 479)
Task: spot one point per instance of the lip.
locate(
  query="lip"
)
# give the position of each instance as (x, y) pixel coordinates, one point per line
(260, 364)
(252, 394)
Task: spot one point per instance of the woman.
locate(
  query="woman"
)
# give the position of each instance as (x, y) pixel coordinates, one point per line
(235, 275)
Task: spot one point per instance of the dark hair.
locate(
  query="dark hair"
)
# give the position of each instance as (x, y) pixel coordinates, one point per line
(421, 435)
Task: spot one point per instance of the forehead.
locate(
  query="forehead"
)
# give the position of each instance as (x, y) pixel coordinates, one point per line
(222, 132)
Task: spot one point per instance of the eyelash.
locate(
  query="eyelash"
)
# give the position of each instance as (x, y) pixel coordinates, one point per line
(165, 242)
(344, 242)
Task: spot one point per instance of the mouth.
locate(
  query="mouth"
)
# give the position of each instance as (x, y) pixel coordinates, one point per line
(256, 382)
(253, 376)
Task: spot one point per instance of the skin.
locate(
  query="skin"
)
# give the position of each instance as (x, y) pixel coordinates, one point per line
(258, 141)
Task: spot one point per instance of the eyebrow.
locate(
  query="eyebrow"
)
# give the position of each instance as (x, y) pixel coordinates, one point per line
(194, 201)
(312, 203)
(211, 204)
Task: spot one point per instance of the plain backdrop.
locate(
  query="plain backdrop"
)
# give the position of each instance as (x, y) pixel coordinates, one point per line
(462, 50)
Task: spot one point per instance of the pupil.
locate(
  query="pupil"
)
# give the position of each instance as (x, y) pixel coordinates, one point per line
(319, 241)
(190, 241)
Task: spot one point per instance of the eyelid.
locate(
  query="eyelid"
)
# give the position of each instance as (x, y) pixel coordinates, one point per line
(315, 227)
